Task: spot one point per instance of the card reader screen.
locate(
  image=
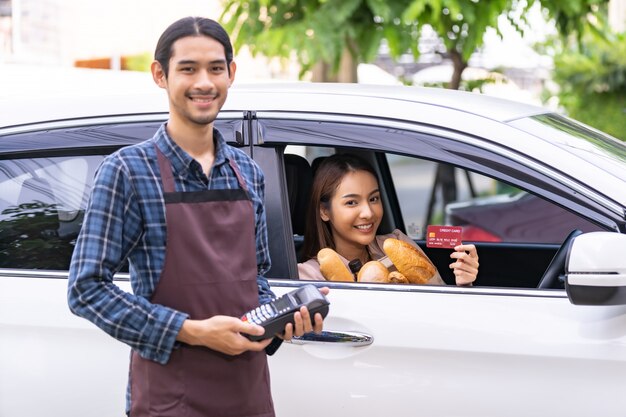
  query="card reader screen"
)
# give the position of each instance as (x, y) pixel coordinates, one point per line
(281, 303)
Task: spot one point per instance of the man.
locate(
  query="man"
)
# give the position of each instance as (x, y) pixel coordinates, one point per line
(185, 187)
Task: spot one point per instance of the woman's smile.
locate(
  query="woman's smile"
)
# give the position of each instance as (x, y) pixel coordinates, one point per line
(365, 228)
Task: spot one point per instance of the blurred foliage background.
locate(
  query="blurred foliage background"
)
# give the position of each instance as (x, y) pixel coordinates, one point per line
(590, 76)
(330, 38)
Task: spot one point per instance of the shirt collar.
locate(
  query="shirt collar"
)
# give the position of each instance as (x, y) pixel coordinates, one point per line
(181, 161)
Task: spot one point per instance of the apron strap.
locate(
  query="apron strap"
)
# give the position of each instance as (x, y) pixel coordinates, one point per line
(234, 167)
(167, 177)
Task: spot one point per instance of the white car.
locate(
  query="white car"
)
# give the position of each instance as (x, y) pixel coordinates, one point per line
(515, 344)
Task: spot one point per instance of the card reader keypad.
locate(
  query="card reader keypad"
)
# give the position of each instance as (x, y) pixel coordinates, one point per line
(260, 314)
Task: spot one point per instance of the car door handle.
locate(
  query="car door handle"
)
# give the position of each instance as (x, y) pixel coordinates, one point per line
(334, 336)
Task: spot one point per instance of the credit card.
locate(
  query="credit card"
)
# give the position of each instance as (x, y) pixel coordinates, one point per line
(444, 237)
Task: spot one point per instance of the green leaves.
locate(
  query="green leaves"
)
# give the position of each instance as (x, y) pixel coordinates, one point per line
(315, 30)
(591, 76)
(595, 67)
(414, 11)
(321, 30)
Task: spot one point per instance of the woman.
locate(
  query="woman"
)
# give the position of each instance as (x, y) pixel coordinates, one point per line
(344, 214)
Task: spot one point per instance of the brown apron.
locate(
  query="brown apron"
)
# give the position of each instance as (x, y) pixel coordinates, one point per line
(210, 269)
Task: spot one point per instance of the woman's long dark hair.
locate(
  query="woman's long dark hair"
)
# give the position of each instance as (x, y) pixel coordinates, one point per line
(329, 174)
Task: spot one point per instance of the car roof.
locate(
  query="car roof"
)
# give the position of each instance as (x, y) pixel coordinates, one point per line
(309, 97)
(478, 104)
(472, 114)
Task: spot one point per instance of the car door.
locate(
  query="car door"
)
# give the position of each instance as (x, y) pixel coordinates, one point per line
(441, 350)
(47, 353)
(52, 362)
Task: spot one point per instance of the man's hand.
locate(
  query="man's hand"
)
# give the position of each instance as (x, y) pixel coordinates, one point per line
(223, 334)
(302, 320)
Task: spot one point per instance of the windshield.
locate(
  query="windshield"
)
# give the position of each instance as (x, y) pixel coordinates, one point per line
(596, 147)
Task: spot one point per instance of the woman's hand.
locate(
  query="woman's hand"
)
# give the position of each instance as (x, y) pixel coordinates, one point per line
(466, 265)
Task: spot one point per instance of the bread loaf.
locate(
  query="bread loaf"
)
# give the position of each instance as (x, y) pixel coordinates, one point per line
(373, 271)
(332, 267)
(409, 261)
(396, 277)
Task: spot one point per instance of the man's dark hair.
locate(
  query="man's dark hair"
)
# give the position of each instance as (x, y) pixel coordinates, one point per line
(191, 26)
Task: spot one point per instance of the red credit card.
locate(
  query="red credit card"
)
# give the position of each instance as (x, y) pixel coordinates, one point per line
(443, 236)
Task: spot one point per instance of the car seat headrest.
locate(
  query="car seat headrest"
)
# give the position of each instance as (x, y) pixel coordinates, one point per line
(299, 181)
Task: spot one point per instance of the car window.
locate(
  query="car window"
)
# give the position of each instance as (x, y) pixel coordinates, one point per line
(510, 225)
(488, 210)
(516, 212)
(42, 203)
(43, 199)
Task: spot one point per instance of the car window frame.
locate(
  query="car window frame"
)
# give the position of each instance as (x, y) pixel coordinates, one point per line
(33, 149)
(461, 150)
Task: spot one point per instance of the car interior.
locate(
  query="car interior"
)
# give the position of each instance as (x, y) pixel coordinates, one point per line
(503, 263)
(40, 210)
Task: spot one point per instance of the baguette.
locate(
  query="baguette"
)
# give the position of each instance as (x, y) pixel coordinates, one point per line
(409, 261)
(332, 267)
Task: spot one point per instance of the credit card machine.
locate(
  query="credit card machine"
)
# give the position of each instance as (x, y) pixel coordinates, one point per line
(275, 315)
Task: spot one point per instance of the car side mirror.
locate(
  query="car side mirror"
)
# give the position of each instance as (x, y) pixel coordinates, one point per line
(595, 271)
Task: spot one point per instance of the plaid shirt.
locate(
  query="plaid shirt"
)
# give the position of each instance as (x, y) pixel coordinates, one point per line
(125, 219)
